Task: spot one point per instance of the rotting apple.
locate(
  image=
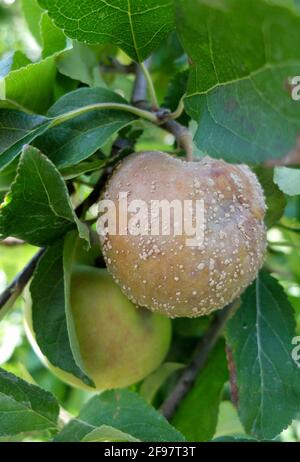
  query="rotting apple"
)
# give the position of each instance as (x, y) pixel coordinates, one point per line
(163, 273)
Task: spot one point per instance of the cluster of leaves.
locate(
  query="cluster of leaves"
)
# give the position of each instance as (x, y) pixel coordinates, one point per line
(232, 61)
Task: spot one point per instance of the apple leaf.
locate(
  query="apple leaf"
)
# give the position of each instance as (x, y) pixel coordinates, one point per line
(197, 414)
(239, 88)
(106, 433)
(275, 199)
(260, 335)
(71, 242)
(31, 86)
(25, 407)
(125, 411)
(11, 62)
(17, 129)
(137, 27)
(7, 175)
(234, 439)
(76, 140)
(83, 167)
(38, 208)
(80, 63)
(52, 320)
(288, 180)
(53, 39)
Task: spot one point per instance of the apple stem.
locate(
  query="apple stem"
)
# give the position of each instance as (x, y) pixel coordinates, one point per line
(20, 281)
(150, 85)
(187, 144)
(179, 111)
(139, 91)
(183, 137)
(150, 116)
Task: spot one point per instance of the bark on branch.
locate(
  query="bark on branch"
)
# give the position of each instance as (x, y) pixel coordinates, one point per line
(197, 363)
(20, 281)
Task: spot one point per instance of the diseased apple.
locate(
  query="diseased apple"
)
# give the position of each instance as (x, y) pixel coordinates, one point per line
(120, 344)
(163, 273)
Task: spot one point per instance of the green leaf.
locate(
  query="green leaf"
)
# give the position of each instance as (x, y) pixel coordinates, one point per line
(197, 414)
(153, 382)
(125, 411)
(17, 129)
(169, 58)
(84, 167)
(11, 62)
(275, 199)
(25, 407)
(288, 180)
(138, 27)
(53, 39)
(260, 335)
(84, 97)
(33, 13)
(31, 86)
(239, 90)
(52, 320)
(70, 254)
(80, 63)
(38, 209)
(234, 439)
(228, 421)
(106, 433)
(7, 176)
(76, 140)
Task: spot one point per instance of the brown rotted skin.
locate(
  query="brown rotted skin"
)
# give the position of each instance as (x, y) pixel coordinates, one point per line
(161, 272)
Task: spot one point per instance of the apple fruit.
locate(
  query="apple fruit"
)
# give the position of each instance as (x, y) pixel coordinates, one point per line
(120, 344)
(161, 272)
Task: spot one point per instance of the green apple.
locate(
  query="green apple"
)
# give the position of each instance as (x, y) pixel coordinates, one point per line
(120, 344)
